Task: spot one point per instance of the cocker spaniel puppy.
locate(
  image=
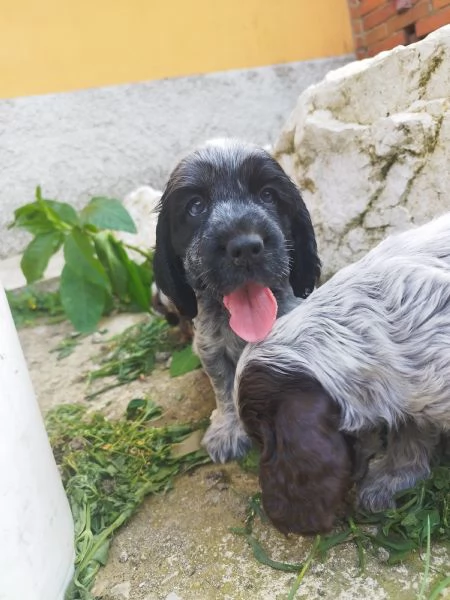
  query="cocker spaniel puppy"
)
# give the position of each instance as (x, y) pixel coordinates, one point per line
(369, 348)
(234, 248)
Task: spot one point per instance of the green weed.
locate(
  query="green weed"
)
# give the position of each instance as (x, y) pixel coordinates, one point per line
(422, 515)
(97, 272)
(30, 305)
(108, 467)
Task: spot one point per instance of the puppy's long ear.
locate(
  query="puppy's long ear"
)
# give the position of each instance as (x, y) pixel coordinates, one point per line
(168, 268)
(305, 262)
(305, 463)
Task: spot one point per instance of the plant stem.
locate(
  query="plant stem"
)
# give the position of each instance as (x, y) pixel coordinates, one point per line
(304, 569)
(427, 563)
(147, 255)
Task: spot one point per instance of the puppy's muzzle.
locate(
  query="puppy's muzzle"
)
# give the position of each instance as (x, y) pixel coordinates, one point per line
(245, 249)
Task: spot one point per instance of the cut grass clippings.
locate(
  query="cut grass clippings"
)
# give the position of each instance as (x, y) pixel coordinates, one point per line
(132, 354)
(30, 305)
(422, 515)
(107, 468)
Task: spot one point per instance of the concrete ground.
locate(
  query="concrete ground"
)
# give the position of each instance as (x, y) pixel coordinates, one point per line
(179, 545)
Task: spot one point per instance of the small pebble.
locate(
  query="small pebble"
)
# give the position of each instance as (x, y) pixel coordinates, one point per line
(121, 591)
(97, 338)
(383, 554)
(123, 557)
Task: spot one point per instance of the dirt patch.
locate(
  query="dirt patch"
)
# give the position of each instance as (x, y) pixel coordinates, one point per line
(179, 545)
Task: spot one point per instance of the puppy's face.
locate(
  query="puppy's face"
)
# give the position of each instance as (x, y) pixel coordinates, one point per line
(231, 216)
(306, 463)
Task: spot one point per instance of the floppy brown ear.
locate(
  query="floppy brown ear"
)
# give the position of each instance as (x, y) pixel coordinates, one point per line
(168, 270)
(305, 465)
(305, 262)
(304, 480)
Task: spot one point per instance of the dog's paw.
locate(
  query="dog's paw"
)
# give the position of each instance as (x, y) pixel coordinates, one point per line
(373, 496)
(377, 491)
(225, 439)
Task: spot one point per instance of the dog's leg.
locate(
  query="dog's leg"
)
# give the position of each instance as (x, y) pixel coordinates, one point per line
(406, 462)
(364, 447)
(225, 438)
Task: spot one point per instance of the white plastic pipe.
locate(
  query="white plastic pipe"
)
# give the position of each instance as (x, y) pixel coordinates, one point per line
(36, 527)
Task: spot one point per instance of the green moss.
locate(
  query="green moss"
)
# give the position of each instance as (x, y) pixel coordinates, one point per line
(308, 184)
(433, 64)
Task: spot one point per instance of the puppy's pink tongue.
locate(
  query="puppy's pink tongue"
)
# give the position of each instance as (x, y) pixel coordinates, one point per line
(253, 310)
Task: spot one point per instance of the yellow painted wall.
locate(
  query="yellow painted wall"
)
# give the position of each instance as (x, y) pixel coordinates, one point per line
(59, 45)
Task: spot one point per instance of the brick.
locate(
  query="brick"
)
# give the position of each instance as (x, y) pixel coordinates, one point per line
(369, 5)
(433, 22)
(387, 44)
(376, 34)
(380, 15)
(409, 17)
(361, 53)
(355, 12)
(437, 4)
(357, 27)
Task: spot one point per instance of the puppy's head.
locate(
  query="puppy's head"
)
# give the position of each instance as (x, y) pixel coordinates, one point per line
(229, 217)
(306, 463)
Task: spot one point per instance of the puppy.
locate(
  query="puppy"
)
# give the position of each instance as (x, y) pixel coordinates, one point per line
(370, 348)
(235, 248)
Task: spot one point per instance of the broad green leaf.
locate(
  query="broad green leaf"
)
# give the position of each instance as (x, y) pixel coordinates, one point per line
(80, 257)
(33, 218)
(38, 253)
(138, 277)
(138, 289)
(114, 267)
(83, 300)
(184, 361)
(108, 213)
(61, 211)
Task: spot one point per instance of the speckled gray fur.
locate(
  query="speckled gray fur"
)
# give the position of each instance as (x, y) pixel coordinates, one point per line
(194, 268)
(376, 338)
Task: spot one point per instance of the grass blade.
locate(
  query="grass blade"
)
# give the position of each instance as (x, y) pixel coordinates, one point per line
(426, 572)
(304, 569)
(439, 588)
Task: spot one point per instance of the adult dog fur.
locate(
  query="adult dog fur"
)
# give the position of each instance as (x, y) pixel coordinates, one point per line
(370, 347)
(230, 216)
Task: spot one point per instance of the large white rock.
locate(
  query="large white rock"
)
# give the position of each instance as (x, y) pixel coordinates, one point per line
(370, 147)
(142, 205)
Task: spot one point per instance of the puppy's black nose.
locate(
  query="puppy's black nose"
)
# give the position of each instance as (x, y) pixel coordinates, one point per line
(245, 248)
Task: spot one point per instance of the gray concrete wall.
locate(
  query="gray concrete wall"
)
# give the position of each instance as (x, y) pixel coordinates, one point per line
(107, 141)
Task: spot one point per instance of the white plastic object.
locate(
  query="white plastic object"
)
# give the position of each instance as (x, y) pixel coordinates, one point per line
(36, 526)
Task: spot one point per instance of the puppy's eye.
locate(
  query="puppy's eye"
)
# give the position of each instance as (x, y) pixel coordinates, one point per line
(268, 195)
(196, 206)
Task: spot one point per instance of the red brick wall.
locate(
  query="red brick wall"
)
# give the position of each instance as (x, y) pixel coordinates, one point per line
(383, 24)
